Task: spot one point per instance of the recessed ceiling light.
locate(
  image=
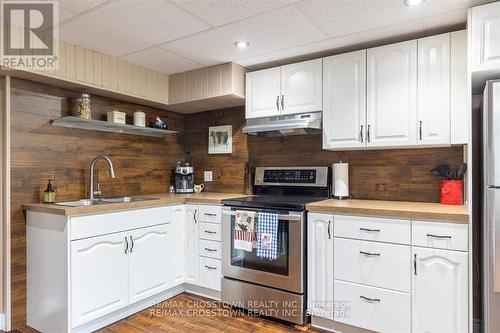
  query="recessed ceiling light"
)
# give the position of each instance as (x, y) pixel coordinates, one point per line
(241, 44)
(413, 2)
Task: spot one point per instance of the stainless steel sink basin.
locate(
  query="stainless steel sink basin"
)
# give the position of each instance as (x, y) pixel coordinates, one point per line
(82, 202)
(109, 201)
(127, 199)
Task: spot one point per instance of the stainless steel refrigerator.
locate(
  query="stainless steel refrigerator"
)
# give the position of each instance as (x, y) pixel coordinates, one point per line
(491, 207)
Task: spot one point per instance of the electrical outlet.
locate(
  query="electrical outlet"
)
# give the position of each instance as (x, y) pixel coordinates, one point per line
(207, 176)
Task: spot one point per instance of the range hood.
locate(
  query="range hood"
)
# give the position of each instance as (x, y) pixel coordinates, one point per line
(294, 124)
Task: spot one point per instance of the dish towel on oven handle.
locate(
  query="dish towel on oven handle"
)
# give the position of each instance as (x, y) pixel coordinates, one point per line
(267, 235)
(244, 230)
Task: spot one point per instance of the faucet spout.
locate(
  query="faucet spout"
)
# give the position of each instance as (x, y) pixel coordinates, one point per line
(92, 193)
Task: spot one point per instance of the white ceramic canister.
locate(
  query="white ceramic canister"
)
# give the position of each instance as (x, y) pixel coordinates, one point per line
(139, 118)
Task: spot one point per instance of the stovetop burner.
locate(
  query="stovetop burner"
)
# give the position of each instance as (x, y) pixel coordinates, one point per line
(289, 202)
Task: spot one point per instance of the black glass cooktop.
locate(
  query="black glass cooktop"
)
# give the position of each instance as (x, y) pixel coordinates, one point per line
(272, 202)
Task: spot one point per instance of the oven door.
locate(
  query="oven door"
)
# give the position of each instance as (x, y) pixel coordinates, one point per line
(286, 272)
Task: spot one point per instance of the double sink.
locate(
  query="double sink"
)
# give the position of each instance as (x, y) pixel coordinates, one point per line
(93, 202)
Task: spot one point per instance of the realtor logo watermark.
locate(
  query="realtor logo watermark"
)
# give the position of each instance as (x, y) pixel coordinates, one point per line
(29, 35)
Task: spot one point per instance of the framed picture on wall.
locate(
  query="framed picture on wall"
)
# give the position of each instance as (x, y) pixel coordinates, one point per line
(220, 139)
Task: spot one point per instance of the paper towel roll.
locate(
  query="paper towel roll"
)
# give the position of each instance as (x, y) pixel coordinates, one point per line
(341, 180)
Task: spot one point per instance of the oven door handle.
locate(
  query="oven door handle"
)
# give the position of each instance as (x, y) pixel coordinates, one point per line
(280, 216)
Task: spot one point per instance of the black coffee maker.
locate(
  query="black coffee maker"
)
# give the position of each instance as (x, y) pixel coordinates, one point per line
(184, 177)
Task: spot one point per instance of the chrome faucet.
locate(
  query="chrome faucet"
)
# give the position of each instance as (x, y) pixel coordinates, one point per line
(97, 192)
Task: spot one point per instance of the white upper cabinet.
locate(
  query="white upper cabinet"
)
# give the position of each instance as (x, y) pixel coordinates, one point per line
(320, 264)
(392, 95)
(99, 276)
(344, 100)
(263, 93)
(434, 90)
(301, 87)
(440, 291)
(290, 89)
(459, 101)
(485, 46)
(145, 245)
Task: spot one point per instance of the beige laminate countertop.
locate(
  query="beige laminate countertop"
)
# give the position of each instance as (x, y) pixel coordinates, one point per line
(397, 209)
(162, 200)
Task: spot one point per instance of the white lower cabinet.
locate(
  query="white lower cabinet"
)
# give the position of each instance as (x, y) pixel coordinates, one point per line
(149, 262)
(178, 245)
(375, 309)
(320, 265)
(99, 276)
(388, 275)
(191, 246)
(440, 291)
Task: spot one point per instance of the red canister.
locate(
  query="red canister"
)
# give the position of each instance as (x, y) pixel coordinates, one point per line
(451, 192)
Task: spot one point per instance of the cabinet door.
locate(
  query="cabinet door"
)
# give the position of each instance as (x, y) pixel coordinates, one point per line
(440, 291)
(99, 276)
(391, 118)
(178, 245)
(320, 265)
(434, 90)
(149, 263)
(344, 95)
(485, 36)
(301, 87)
(191, 244)
(263, 93)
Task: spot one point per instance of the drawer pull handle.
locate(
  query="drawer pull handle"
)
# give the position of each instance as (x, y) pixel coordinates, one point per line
(369, 230)
(438, 236)
(210, 214)
(211, 268)
(371, 300)
(210, 250)
(210, 232)
(370, 254)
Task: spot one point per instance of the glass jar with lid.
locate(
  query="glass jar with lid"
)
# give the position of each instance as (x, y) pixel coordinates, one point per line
(84, 106)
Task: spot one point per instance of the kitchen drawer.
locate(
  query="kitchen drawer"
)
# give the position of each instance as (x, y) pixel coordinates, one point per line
(210, 273)
(371, 263)
(450, 236)
(210, 214)
(209, 231)
(372, 228)
(210, 249)
(375, 309)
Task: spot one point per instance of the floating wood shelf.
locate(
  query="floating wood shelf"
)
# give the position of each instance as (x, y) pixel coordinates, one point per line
(104, 126)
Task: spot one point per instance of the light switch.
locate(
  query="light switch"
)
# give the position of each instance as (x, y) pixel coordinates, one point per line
(207, 176)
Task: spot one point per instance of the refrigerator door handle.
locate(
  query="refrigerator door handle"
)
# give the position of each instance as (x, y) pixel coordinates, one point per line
(493, 212)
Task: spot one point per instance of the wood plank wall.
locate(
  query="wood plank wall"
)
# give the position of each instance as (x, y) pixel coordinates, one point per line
(391, 174)
(39, 151)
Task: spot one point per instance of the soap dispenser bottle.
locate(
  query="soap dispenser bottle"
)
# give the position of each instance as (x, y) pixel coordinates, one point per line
(49, 195)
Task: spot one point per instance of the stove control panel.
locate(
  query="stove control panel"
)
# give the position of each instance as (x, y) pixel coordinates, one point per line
(291, 176)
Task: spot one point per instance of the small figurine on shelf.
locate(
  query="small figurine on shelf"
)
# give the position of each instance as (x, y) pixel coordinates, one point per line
(158, 123)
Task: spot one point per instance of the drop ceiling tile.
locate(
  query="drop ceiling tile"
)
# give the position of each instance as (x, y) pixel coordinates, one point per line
(275, 30)
(161, 60)
(126, 26)
(348, 43)
(343, 17)
(218, 12)
(79, 6)
(257, 62)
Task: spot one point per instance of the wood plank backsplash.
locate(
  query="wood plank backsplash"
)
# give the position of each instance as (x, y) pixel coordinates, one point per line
(40, 152)
(390, 174)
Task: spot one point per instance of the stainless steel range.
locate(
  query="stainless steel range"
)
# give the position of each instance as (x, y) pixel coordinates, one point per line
(276, 286)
